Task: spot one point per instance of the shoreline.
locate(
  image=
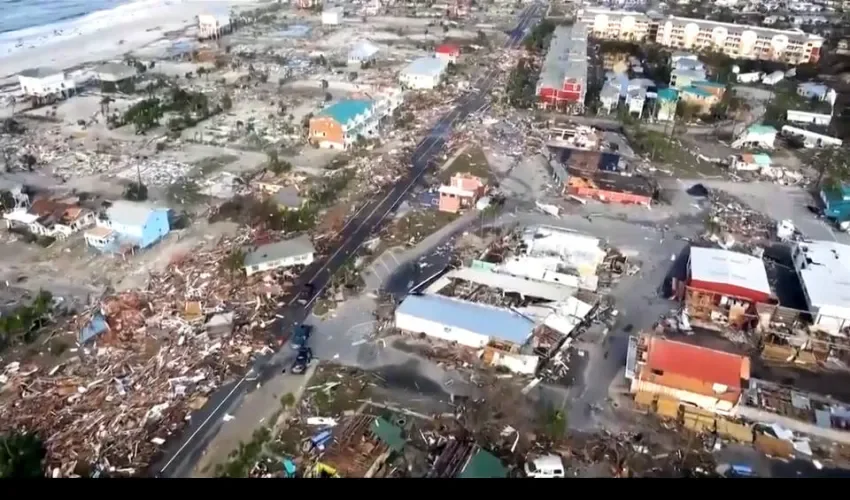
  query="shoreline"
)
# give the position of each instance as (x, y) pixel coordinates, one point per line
(150, 22)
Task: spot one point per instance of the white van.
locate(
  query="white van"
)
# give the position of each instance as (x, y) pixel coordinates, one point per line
(546, 466)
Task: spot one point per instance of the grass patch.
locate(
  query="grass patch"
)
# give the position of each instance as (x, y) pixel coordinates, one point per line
(660, 148)
(287, 400)
(243, 459)
(471, 161)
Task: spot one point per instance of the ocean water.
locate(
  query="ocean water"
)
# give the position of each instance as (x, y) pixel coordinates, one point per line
(26, 15)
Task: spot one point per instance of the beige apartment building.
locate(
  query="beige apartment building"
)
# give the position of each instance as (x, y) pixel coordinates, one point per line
(735, 40)
(615, 24)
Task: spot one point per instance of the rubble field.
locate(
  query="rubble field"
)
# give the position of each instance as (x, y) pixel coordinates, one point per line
(147, 359)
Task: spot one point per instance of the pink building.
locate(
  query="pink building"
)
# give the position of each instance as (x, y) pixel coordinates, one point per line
(461, 193)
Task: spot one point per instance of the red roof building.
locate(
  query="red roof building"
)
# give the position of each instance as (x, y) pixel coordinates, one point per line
(449, 52)
(709, 379)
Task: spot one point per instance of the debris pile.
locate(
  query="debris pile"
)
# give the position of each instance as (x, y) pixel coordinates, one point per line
(729, 219)
(161, 353)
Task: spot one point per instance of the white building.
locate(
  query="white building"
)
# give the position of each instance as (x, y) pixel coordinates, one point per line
(114, 72)
(46, 82)
(332, 17)
(609, 97)
(287, 253)
(756, 136)
(423, 73)
(213, 25)
(810, 139)
(753, 77)
(795, 116)
(363, 52)
(467, 323)
(635, 100)
(773, 78)
(824, 271)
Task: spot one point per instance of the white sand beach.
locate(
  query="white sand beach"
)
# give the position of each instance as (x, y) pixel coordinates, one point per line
(102, 35)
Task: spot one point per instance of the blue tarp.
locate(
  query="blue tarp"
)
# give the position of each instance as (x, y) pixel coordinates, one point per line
(95, 327)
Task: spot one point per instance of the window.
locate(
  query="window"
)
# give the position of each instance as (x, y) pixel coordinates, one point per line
(255, 269)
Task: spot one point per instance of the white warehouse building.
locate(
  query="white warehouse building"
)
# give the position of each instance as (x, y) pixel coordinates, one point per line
(423, 73)
(824, 271)
(467, 323)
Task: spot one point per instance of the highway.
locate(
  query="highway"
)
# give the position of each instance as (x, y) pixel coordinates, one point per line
(181, 456)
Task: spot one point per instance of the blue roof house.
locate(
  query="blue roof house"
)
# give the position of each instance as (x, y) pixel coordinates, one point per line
(129, 225)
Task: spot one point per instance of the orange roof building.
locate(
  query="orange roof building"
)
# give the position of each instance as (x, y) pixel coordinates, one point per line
(709, 379)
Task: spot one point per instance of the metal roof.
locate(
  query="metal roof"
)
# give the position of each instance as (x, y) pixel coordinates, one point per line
(714, 265)
(697, 363)
(130, 213)
(426, 66)
(826, 276)
(566, 58)
(346, 110)
(498, 323)
(280, 250)
(508, 283)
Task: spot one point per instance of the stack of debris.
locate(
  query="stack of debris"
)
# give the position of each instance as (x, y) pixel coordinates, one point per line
(156, 358)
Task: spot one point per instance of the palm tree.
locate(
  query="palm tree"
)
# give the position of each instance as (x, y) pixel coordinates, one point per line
(21, 456)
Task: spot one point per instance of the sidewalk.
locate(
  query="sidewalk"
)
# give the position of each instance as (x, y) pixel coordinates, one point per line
(257, 410)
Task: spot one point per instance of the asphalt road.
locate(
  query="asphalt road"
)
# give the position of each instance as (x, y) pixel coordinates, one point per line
(180, 457)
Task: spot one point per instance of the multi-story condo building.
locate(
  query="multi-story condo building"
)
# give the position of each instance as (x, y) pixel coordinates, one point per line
(615, 24)
(735, 40)
(563, 78)
(740, 41)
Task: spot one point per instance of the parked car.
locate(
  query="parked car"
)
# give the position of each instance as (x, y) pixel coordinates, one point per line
(302, 361)
(300, 336)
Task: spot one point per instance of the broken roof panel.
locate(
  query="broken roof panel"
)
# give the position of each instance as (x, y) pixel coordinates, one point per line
(713, 265)
(388, 433)
(483, 465)
(523, 286)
